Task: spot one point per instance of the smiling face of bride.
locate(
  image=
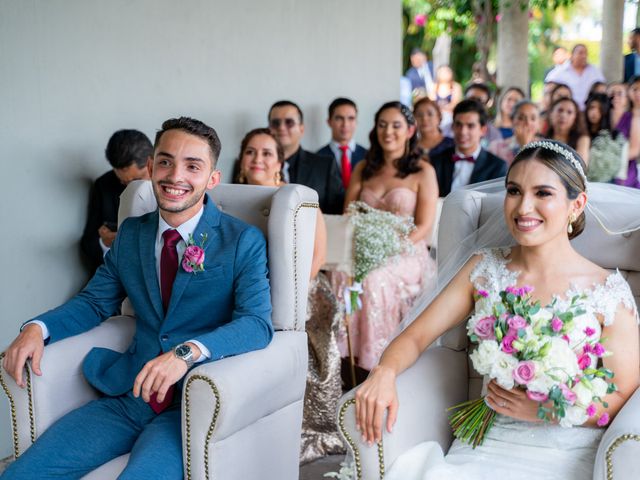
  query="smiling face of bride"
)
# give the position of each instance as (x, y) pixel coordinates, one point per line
(540, 203)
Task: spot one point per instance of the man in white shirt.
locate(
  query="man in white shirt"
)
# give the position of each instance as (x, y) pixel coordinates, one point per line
(578, 74)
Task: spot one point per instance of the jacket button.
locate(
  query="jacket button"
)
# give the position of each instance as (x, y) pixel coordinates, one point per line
(164, 338)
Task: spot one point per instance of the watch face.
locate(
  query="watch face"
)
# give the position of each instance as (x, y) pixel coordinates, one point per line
(183, 350)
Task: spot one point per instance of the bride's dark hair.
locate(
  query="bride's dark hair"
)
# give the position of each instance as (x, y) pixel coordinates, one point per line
(409, 162)
(550, 153)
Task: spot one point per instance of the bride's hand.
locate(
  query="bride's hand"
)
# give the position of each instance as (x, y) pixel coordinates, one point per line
(512, 403)
(375, 395)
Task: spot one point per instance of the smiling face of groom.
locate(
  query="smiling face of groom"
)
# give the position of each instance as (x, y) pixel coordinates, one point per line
(183, 168)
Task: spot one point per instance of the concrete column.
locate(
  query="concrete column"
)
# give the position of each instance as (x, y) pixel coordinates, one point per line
(611, 46)
(513, 37)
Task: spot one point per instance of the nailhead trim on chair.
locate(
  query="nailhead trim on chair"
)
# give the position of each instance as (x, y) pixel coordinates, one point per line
(212, 426)
(616, 443)
(295, 255)
(352, 444)
(12, 407)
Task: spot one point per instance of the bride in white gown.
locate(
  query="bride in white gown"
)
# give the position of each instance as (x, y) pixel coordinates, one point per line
(543, 208)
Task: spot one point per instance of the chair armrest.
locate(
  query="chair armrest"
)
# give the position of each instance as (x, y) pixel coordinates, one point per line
(619, 449)
(438, 380)
(225, 396)
(62, 386)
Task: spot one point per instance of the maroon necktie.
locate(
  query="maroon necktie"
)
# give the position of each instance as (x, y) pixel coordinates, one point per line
(168, 270)
(345, 165)
(460, 158)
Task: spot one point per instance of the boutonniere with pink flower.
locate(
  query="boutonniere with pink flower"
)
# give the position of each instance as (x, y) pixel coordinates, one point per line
(193, 257)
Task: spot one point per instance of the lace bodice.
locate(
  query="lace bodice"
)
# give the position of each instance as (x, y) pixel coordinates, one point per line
(602, 299)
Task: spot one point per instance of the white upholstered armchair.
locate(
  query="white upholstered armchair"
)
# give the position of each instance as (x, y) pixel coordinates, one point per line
(241, 416)
(451, 379)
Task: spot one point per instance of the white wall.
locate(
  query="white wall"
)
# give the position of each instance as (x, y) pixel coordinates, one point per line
(74, 71)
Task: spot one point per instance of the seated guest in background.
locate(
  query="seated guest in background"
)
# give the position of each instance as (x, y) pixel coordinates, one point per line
(342, 120)
(559, 90)
(394, 179)
(629, 126)
(577, 73)
(632, 60)
(180, 321)
(446, 92)
(482, 93)
(128, 152)
(618, 96)
(421, 72)
(597, 87)
(604, 152)
(526, 121)
(305, 168)
(467, 162)
(506, 102)
(428, 118)
(261, 161)
(566, 125)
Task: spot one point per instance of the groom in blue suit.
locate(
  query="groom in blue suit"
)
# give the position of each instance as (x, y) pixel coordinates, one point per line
(197, 279)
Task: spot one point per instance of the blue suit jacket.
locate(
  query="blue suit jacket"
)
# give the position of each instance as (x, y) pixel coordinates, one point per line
(416, 80)
(629, 66)
(356, 156)
(227, 307)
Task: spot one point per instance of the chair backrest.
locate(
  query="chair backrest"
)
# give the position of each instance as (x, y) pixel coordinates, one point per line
(464, 211)
(286, 216)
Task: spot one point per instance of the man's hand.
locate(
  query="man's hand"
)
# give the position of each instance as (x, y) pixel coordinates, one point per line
(28, 345)
(106, 235)
(160, 373)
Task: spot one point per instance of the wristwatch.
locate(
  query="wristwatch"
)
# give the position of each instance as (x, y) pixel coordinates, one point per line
(184, 352)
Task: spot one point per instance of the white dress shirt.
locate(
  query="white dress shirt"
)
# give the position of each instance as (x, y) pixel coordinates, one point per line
(335, 148)
(462, 170)
(185, 230)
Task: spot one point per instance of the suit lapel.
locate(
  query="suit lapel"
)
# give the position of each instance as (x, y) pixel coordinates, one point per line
(478, 169)
(148, 232)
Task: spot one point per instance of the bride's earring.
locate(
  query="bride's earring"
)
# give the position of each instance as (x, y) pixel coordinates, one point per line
(572, 218)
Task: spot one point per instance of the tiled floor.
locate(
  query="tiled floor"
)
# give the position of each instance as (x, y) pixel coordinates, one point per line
(311, 471)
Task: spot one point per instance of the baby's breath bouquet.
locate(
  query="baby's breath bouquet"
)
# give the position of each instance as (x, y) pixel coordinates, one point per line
(377, 236)
(606, 156)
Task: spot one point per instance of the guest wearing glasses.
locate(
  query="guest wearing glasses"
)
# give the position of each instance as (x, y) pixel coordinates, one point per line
(321, 173)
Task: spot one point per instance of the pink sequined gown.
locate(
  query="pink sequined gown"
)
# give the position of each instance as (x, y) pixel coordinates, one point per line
(389, 290)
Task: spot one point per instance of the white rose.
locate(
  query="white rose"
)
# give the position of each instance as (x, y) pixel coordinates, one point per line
(561, 361)
(599, 387)
(541, 383)
(584, 394)
(502, 370)
(543, 316)
(574, 415)
(484, 356)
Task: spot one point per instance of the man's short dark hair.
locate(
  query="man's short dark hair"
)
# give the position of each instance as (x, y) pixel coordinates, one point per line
(194, 127)
(471, 105)
(340, 101)
(576, 46)
(635, 31)
(286, 103)
(126, 147)
(415, 51)
(479, 86)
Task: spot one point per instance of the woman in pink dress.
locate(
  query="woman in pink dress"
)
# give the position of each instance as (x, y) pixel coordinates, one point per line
(393, 177)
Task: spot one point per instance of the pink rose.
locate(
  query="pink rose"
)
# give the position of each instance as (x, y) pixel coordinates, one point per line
(587, 348)
(584, 361)
(537, 396)
(517, 322)
(599, 350)
(420, 19)
(568, 394)
(524, 372)
(194, 255)
(484, 328)
(589, 331)
(591, 410)
(186, 266)
(603, 420)
(556, 324)
(507, 344)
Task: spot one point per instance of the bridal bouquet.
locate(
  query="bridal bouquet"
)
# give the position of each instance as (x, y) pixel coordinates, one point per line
(377, 236)
(540, 350)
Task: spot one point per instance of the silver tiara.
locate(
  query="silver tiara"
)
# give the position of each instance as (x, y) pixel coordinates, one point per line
(566, 153)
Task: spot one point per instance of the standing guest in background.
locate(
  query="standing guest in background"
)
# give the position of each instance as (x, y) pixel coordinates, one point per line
(618, 96)
(577, 73)
(428, 118)
(506, 102)
(342, 120)
(558, 57)
(446, 92)
(315, 171)
(128, 152)
(421, 72)
(467, 162)
(632, 60)
(482, 93)
(566, 125)
(629, 126)
(526, 121)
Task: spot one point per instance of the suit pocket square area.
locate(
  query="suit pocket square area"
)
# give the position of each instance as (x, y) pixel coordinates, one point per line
(210, 272)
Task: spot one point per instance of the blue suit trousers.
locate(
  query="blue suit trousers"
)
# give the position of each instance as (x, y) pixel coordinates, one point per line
(100, 431)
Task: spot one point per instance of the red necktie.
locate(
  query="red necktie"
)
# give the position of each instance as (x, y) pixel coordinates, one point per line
(168, 270)
(460, 158)
(345, 165)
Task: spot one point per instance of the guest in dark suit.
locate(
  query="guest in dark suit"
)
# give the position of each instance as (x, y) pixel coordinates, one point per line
(467, 162)
(421, 71)
(342, 120)
(305, 168)
(632, 60)
(128, 152)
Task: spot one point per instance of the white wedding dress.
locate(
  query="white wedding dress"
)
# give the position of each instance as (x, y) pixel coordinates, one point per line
(514, 449)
